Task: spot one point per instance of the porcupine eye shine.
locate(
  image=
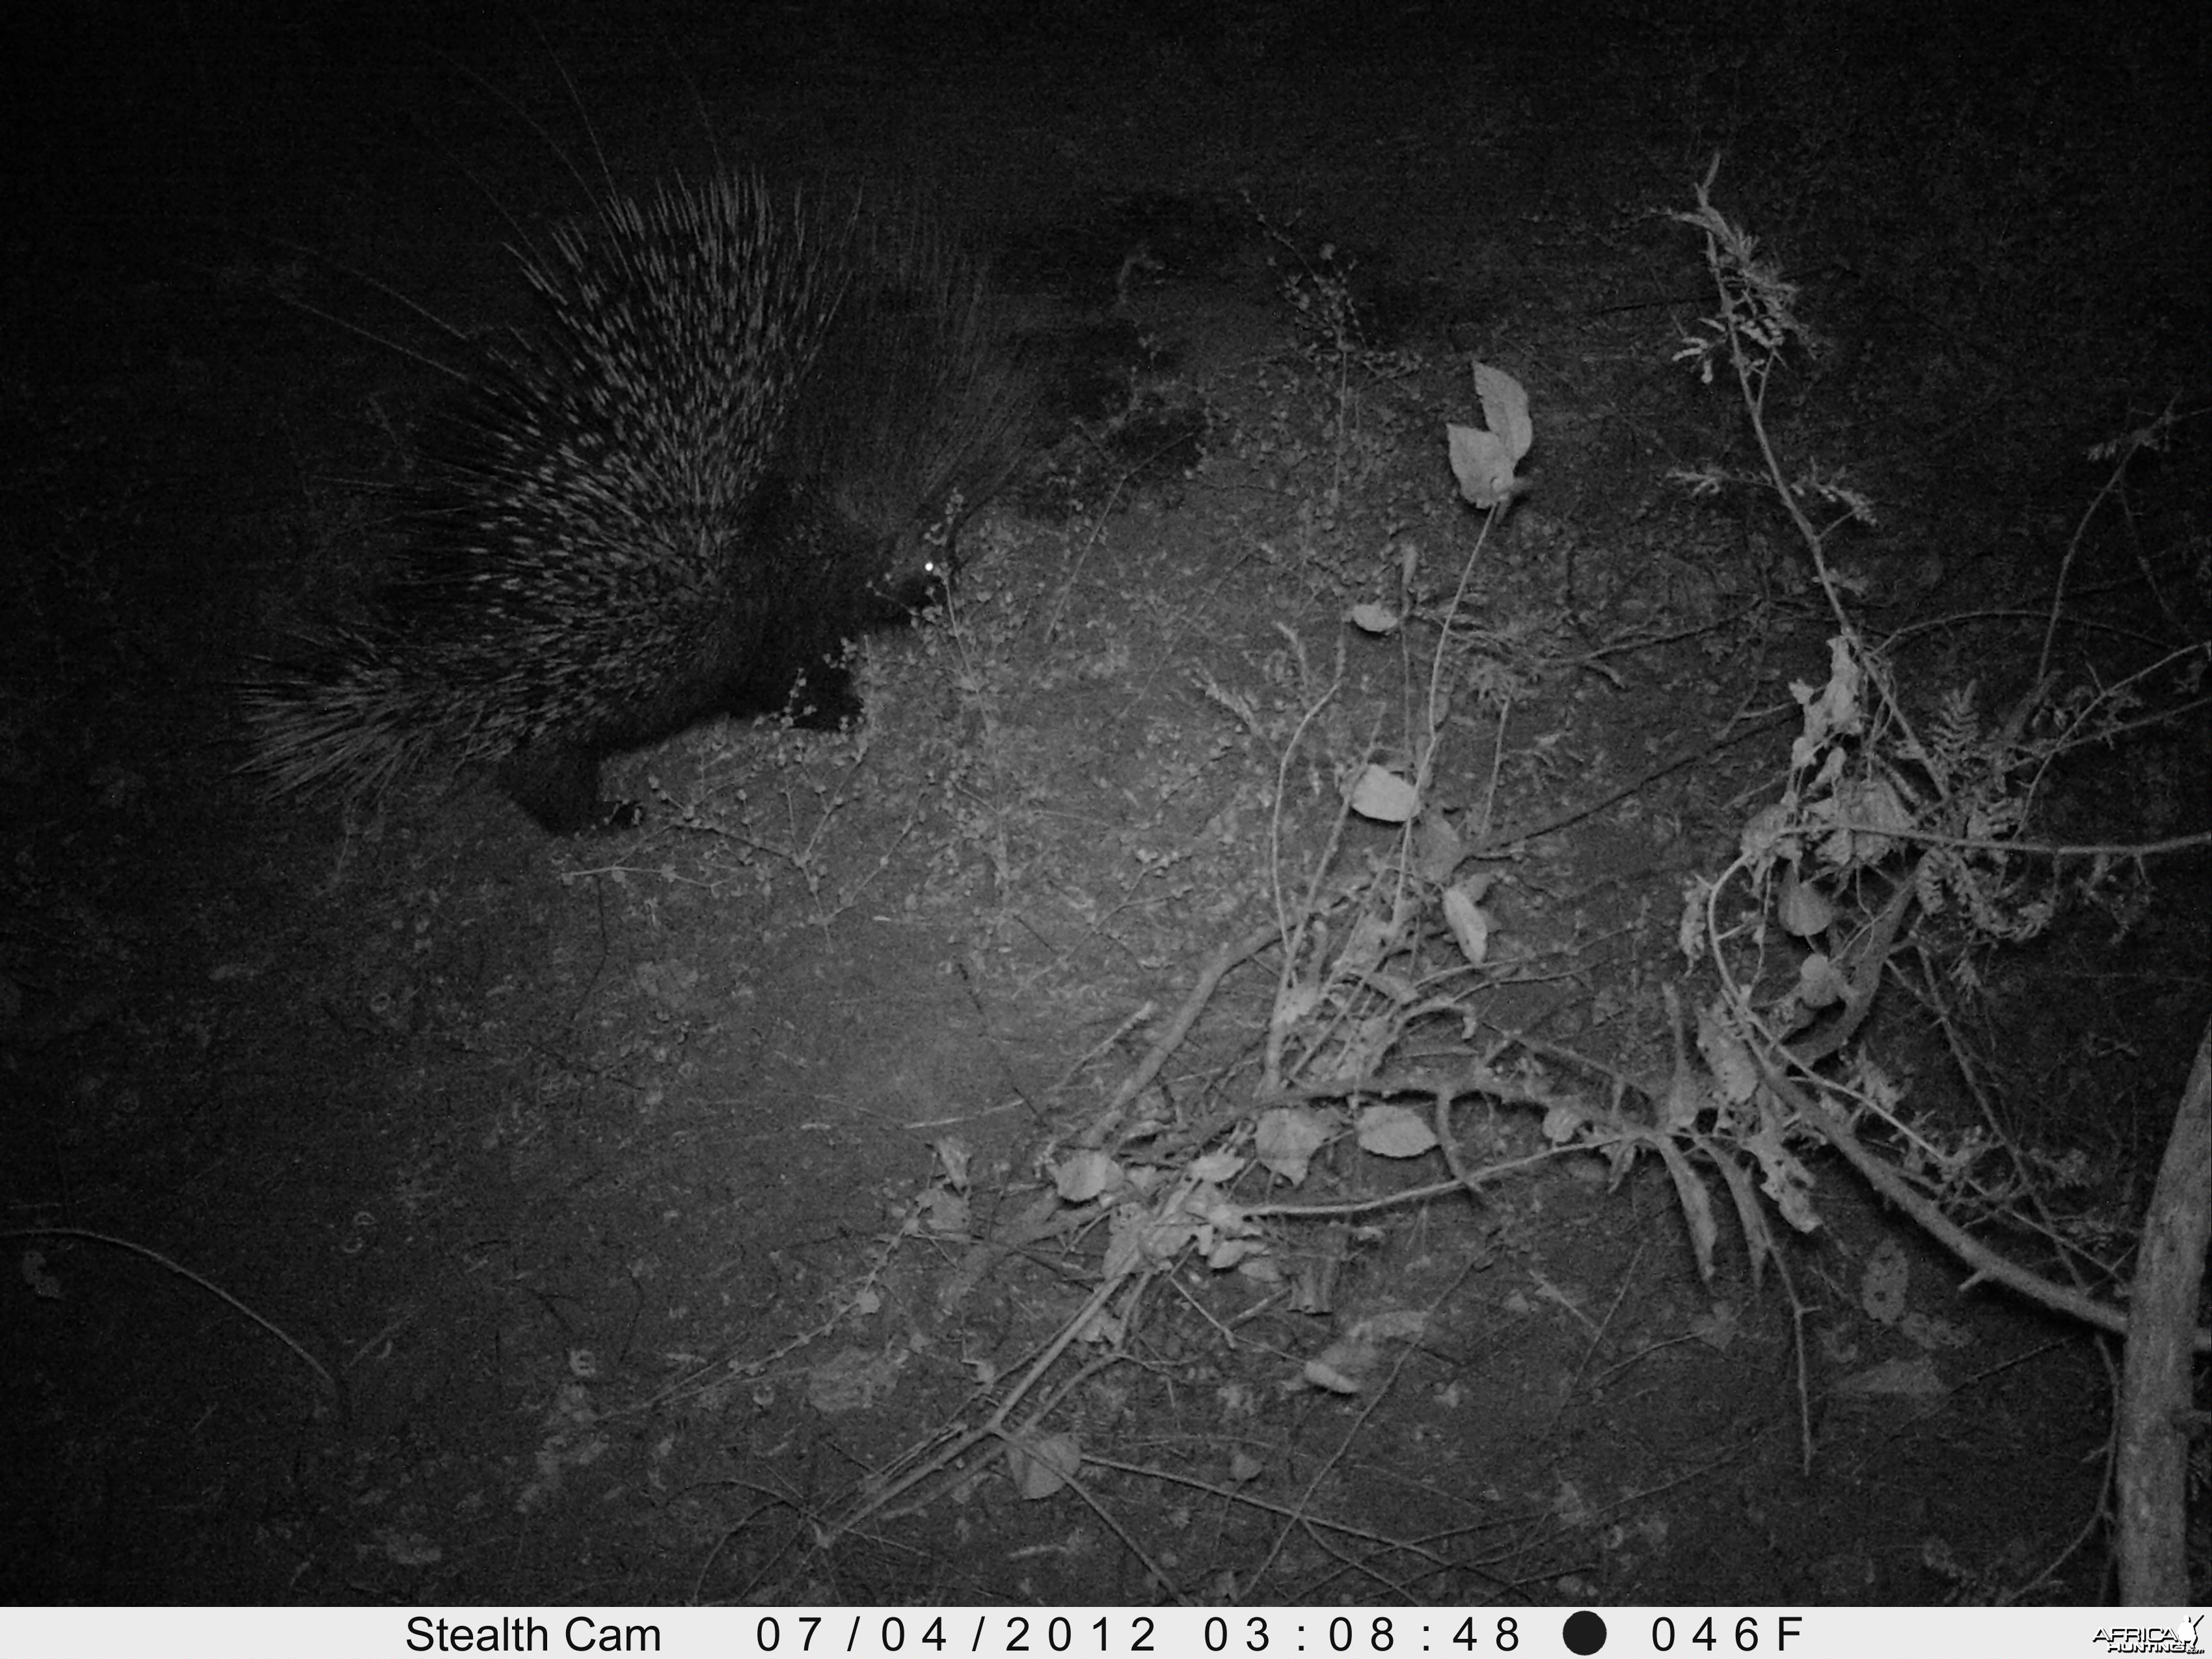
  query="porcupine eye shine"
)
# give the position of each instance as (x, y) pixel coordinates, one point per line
(743, 435)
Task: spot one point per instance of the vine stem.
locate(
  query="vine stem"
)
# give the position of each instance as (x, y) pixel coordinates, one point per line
(88, 1236)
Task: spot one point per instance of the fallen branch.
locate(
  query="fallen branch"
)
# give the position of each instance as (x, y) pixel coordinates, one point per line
(1986, 1262)
(2152, 1468)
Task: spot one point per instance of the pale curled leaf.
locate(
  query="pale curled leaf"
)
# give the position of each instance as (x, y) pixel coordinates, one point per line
(1687, 1096)
(1287, 1138)
(1040, 1465)
(1730, 1061)
(1696, 1206)
(1505, 409)
(1104, 1328)
(1480, 464)
(1757, 1237)
(1875, 805)
(943, 1213)
(1483, 462)
(1383, 796)
(1831, 711)
(1563, 1122)
(1216, 1169)
(1394, 1132)
(1322, 1375)
(1373, 618)
(1782, 1177)
(1161, 1242)
(1082, 1177)
(1690, 930)
(1470, 926)
(1361, 1052)
(1372, 937)
(954, 1154)
(1820, 983)
(1343, 1365)
(1124, 1240)
(1765, 835)
(1437, 851)
(1293, 1003)
(1801, 907)
(1242, 1254)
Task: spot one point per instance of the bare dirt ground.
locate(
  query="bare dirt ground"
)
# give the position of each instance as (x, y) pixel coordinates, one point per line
(1039, 1145)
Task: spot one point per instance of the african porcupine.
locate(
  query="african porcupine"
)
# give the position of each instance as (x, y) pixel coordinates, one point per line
(743, 432)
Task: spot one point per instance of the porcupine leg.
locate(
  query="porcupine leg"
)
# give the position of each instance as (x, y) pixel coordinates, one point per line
(797, 660)
(558, 784)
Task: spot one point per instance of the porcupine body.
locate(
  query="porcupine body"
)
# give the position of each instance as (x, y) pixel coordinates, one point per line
(744, 432)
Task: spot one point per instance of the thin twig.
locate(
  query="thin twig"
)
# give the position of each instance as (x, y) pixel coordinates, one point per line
(330, 1381)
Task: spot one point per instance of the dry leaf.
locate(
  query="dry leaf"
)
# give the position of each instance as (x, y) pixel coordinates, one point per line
(1042, 1465)
(1394, 1132)
(1469, 924)
(1384, 796)
(1081, 1178)
(1482, 462)
(1286, 1139)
